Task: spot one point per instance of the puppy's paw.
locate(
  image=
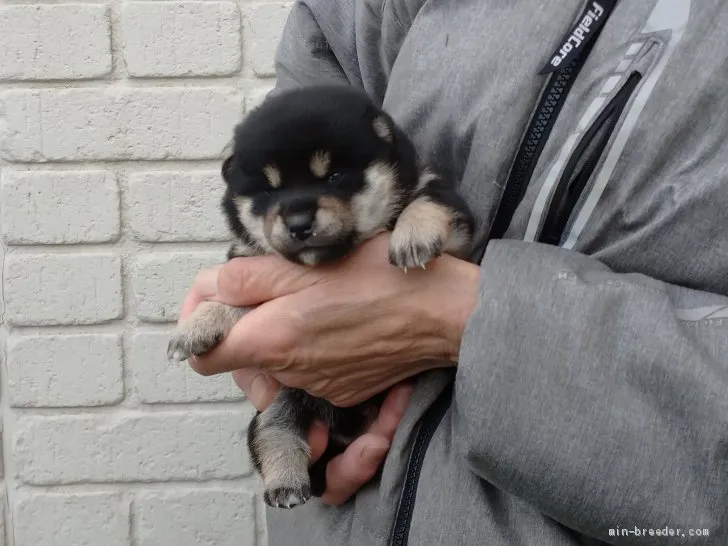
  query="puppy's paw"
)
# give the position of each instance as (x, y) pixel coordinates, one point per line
(202, 330)
(420, 234)
(408, 250)
(193, 340)
(287, 497)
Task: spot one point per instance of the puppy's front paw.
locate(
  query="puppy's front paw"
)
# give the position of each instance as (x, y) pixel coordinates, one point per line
(420, 233)
(410, 248)
(287, 497)
(193, 340)
(202, 330)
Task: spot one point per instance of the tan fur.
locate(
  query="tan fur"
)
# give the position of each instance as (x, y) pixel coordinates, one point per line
(383, 130)
(240, 249)
(422, 230)
(254, 224)
(273, 175)
(284, 456)
(203, 329)
(375, 203)
(333, 216)
(320, 163)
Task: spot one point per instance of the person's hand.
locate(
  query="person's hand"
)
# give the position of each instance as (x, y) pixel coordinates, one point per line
(348, 472)
(345, 331)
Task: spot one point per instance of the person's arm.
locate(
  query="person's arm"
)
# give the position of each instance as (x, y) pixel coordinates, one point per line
(601, 398)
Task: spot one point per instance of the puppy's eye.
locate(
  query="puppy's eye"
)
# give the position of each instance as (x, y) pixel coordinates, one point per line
(335, 176)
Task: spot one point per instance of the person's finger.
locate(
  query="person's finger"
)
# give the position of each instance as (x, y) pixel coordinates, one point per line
(318, 440)
(392, 410)
(251, 281)
(348, 472)
(204, 287)
(258, 387)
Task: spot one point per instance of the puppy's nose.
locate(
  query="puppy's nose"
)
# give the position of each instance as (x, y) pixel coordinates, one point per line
(300, 224)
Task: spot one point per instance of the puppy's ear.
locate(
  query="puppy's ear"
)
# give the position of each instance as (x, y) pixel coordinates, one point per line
(226, 170)
(384, 127)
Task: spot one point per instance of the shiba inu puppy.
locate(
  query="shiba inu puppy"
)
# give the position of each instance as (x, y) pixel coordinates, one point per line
(313, 173)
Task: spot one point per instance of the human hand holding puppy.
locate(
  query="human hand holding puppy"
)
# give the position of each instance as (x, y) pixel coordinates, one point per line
(342, 332)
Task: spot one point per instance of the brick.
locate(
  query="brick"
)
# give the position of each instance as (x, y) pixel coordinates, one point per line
(263, 28)
(49, 289)
(161, 281)
(81, 519)
(59, 207)
(181, 38)
(117, 124)
(217, 517)
(134, 447)
(2, 518)
(48, 42)
(161, 381)
(177, 206)
(255, 97)
(65, 370)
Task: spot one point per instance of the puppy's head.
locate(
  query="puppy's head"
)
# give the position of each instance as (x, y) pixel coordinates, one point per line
(314, 171)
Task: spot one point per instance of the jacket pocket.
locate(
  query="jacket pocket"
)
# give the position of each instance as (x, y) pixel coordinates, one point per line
(584, 151)
(583, 161)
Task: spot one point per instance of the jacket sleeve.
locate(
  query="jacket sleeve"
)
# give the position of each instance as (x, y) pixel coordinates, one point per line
(600, 398)
(304, 55)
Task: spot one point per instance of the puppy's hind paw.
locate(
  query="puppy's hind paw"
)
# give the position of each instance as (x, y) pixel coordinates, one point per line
(287, 497)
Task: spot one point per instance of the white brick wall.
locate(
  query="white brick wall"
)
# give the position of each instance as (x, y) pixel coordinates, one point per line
(114, 116)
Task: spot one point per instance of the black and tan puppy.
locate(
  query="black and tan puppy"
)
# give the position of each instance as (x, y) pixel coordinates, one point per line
(314, 172)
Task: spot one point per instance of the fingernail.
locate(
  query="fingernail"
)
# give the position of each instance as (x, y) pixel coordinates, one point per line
(374, 454)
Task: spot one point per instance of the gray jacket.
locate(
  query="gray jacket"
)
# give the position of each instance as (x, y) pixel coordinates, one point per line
(592, 389)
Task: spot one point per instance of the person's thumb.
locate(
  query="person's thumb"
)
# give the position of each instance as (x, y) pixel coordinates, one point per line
(252, 281)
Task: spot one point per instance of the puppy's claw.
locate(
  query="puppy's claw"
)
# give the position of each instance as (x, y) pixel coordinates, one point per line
(410, 254)
(287, 497)
(174, 354)
(192, 342)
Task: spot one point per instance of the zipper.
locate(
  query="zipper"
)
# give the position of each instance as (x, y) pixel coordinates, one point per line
(582, 163)
(430, 421)
(548, 108)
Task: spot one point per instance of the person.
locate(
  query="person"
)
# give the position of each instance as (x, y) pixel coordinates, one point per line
(569, 384)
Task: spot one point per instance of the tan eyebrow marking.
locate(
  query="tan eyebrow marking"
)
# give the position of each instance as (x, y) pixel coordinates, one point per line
(320, 163)
(382, 128)
(273, 175)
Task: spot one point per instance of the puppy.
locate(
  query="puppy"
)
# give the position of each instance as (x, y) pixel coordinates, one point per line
(314, 172)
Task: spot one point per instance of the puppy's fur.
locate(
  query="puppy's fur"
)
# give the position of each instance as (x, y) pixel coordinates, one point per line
(314, 172)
